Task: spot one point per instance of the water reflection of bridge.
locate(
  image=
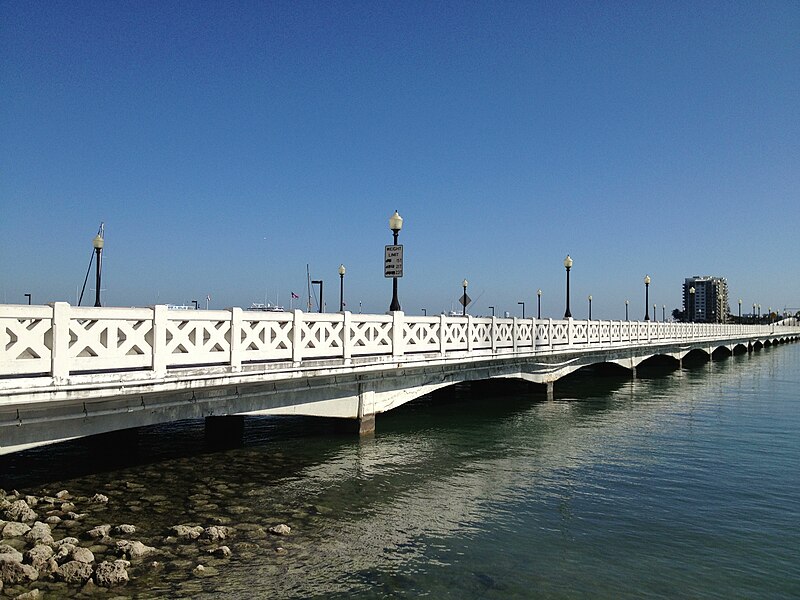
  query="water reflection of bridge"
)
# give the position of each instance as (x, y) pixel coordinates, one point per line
(69, 371)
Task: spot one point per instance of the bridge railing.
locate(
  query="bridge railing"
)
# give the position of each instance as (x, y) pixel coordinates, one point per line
(60, 340)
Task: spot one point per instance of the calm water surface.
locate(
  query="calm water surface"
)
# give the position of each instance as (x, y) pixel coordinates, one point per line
(680, 484)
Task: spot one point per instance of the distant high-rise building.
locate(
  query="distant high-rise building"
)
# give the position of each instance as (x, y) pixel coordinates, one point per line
(710, 302)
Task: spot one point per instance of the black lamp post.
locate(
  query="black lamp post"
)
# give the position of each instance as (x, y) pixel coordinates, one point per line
(425, 312)
(342, 271)
(691, 304)
(759, 313)
(319, 283)
(395, 224)
(664, 312)
(523, 308)
(568, 266)
(195, 304)
(97, 242)
(626, 311)
(590, 307)
(539, 304)
(492, 307)
(655, 308)
(647, 298)
(740, 311)
(28, 296)
(464, 298)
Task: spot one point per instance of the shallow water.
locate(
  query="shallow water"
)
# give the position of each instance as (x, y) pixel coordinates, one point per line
(679, 484)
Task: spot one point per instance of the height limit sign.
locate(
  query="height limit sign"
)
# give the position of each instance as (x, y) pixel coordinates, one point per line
(393, 261)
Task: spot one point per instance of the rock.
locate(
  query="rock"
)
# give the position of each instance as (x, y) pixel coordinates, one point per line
(64, 552)
(31, 500)
(83, 555)
(216, 533)
(63, 494)
(99, 499)
(53, 520)
(34, 594)
(67, 507)
(67, 540)
(40, 532)
(281, 529)
(12, 571)
(280, 550)
(186, 532)
(110, 574)
(39, 556)
(201, 571)
(20, 511)
(221, 552)
(11, 552)
(74, 572)
(100, 531)
(15, 530)
(125, 529)
(73, 516)
(134, 550)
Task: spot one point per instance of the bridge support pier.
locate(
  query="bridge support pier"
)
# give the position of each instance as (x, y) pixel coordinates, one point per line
(366, 425)
(225, 431)
(550, 390)
(633, 372)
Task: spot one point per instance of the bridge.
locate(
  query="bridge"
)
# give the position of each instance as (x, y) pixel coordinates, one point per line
(68, 372)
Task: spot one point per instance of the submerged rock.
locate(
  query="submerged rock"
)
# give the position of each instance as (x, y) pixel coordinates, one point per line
(99, 499)
(186, 532)
(100, 531)
(125, 529)
(281, 529)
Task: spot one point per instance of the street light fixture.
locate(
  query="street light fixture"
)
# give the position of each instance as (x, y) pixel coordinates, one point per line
(28, 296)
(492, 307)
(740, 311)
(568, 266)
(424, 312)
(626, 310)
(590, 307)
(523, 308)
(196, 304)
(664, 312)
(691, 305)
(647, 298)
(464, 284)
(395, 224)
(97, 243)
(539, 304)
(342, 271)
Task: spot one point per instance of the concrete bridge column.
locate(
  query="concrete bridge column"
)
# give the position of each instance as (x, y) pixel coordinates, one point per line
(366, 411)
(550, 390)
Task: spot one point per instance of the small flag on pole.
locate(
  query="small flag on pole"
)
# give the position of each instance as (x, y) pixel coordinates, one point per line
(295, 296)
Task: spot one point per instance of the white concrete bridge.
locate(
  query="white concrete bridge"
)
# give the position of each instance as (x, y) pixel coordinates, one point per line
(68, 371)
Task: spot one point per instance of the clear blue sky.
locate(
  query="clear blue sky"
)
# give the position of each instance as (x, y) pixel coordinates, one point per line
(225, 145)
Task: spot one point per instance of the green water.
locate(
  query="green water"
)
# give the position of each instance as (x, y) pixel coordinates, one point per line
(679, 484)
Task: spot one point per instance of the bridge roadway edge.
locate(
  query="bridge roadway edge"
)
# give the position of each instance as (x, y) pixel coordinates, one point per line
(325, 388)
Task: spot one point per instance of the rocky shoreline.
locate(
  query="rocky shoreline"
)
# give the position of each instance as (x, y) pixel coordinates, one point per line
(49, 549)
